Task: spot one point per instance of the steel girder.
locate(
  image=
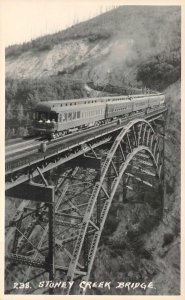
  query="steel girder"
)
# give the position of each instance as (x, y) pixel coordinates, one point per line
(136, 155)
(137, 138)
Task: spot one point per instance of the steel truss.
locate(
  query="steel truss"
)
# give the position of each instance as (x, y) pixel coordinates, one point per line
(59, 234)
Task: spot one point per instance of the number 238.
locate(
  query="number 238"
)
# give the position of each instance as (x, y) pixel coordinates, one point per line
(21, 285)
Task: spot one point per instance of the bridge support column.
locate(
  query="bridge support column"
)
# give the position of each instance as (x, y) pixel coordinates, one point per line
(51, 253)
(40, 194)
(160, 128)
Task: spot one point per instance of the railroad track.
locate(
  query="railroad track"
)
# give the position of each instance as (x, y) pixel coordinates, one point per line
(24, 148)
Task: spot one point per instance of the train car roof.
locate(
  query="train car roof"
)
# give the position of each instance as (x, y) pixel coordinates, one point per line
(48, 105)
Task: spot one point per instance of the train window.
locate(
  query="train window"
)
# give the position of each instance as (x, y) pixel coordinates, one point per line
(70, 116)
(64, 117)
(78, 114)
(74, 115)
(60, 104)
(43, 116)
(66, 104)
(71, 104)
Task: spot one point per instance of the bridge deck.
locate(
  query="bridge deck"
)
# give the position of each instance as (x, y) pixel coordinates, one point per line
(23, 159)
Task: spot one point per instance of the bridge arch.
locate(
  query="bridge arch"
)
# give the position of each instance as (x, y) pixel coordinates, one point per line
(136, 141)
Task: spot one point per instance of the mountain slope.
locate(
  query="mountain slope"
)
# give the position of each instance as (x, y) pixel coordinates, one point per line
(108, 48)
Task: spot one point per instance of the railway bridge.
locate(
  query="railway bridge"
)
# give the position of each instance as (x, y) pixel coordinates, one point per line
(63, 196)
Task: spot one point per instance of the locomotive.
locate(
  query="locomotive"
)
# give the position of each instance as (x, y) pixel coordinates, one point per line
(57, 118)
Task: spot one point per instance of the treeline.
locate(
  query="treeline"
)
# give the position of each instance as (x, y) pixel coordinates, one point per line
(22, 96)
(142, 24)
(47, 42)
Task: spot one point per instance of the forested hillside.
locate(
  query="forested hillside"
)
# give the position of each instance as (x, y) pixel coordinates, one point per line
(128, 46)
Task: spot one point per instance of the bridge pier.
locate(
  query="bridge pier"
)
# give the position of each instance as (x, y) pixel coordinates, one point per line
(41, 194)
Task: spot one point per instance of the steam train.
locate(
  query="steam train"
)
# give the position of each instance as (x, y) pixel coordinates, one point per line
(57, 118)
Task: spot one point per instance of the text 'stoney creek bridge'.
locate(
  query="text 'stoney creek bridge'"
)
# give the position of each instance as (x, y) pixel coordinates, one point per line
(63, 196)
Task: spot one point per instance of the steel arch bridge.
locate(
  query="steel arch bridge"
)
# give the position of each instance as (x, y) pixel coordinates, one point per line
(132, 160)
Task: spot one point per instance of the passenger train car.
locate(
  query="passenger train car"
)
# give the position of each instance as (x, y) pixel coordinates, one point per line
(56, 118)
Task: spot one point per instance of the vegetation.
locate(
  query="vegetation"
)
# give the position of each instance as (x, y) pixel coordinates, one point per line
(140, 23)
(22, 96)
(47, 42)
(161, 70)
